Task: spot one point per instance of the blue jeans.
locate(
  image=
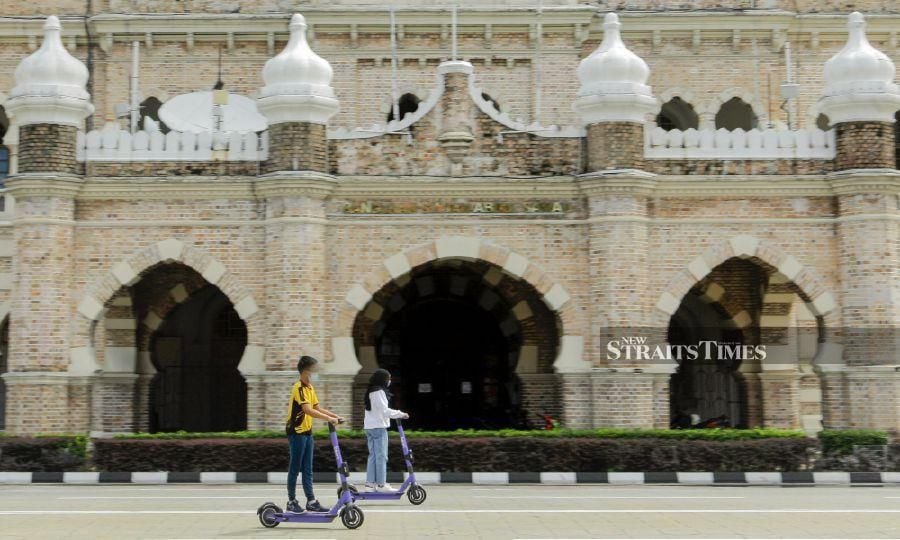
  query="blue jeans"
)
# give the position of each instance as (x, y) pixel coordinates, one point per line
(301, 447)
(376, 469)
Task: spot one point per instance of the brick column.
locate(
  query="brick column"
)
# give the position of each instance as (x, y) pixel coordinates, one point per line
(49, 104)
(864, 145)
(860, 98)
(297, 101)
(780, 399)
(297, 146)
(615, 145)
(295, 267)
(41, 304)
(577, 400)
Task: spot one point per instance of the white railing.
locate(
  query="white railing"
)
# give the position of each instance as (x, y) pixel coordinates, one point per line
(114, 144)
(739, 144)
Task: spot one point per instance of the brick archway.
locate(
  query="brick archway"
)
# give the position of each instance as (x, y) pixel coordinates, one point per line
(94, 303)
(812, 289)
(772, 388)
(345, 361)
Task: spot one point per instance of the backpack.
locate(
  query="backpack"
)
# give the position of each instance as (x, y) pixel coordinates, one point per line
(296, 417)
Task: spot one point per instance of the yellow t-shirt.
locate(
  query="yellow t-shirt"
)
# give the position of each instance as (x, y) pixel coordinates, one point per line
(300, 394)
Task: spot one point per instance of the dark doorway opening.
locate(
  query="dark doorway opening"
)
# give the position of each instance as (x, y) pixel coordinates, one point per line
(196, 352)
(453, 365)
(4, 367)
(468, 346)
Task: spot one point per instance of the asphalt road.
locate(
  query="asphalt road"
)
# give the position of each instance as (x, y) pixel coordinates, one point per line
(194, 511)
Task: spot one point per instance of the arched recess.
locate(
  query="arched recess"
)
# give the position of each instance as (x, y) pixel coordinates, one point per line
(110, 342)
(466, 261)
(677, 113)
(709, 110)
(407, 104)
(780, 304)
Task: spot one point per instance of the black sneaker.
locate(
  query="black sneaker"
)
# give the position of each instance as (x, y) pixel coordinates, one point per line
(314, 506)
(294, 506)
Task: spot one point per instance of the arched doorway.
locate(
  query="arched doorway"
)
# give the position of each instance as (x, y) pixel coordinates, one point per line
(742, 305)
(464, 342)
(196, 351)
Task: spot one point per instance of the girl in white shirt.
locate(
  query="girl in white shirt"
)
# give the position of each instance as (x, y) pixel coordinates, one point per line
(378, 419)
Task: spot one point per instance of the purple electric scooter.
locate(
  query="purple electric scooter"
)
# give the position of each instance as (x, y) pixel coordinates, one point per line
(270, 514)
(416, 493)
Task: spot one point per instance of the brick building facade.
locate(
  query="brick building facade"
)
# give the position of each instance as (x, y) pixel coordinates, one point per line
(518, 210)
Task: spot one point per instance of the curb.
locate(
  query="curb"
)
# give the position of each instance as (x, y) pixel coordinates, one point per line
(476, 478)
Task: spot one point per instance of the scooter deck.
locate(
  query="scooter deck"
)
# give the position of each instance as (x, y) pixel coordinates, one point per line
(378, 495)
(304, 517)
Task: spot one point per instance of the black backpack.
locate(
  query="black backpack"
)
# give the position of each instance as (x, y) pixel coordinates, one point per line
(296, 417)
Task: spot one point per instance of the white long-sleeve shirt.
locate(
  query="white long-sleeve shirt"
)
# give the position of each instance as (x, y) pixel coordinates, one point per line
(380, 415)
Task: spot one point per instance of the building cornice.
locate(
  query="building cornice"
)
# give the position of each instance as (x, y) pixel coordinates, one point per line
(856, 181)
(313, 184)
(150, 188)
(410, 187)
(579, 20)
(25, 185)
(418, 186)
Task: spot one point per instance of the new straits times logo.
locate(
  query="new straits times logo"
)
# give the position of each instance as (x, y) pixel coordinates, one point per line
(637, 348)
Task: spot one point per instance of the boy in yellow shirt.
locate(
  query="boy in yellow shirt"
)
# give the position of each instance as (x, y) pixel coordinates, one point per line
(302, 408)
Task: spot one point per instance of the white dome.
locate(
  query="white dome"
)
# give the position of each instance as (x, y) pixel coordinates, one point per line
(859, 80)
(613, 81)
(297, 63)
(858, 62)
(50, 84)
(612, 68)
(298, 82)
(51, 66)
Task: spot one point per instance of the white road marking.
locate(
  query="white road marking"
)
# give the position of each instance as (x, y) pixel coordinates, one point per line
(480, 511)
(129, 497)
(543, 497)
(142, 497)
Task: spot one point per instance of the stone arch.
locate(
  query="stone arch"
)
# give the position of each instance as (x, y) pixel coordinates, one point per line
(813, 291)
(570, 356)
(708, 110)
(670, 94)
(788, 292)
(94, 303)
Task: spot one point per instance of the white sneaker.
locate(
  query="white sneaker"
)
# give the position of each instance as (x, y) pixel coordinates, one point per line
(370, 487)
(385, 487)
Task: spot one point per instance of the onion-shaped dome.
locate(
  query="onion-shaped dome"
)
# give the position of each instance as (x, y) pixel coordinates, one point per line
(52, 79)
(298, 82)
(859, 80)
(613, 81)
(613, 67)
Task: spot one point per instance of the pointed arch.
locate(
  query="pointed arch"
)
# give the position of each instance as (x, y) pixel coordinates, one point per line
(94, 303)
(812, 290)
(398, 266)
(712, 106)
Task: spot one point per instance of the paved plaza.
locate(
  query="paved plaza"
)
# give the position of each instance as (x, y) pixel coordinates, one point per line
(462, 511)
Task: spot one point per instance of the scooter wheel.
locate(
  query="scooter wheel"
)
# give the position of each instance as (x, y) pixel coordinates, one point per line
(352, 517)
(267, 513)
(416, 495)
